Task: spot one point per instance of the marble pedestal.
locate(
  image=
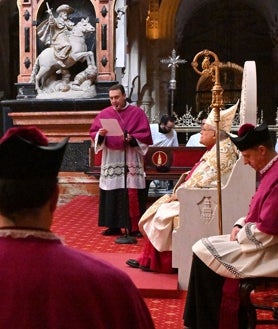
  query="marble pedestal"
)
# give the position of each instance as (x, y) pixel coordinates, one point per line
(58, 118)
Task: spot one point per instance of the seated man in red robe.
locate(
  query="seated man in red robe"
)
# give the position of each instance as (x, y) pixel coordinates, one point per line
(157, 222)
(45, 284)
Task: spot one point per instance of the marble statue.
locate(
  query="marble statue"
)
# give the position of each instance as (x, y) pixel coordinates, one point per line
(67, 45)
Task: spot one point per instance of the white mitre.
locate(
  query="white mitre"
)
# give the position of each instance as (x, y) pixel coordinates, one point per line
(226, 117)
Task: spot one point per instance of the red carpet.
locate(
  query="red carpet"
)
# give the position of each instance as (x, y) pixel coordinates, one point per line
(149, 283)
(76, 222)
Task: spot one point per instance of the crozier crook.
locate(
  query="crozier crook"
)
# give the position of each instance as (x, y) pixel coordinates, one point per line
(212, 69)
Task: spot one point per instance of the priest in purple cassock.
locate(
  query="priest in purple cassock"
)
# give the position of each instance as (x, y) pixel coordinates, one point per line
(219, 262)
(45, 284)
(120, 152)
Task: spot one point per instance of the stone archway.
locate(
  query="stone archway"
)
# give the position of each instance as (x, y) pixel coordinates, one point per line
(167, 12)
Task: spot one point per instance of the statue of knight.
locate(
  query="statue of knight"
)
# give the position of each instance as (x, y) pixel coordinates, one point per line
(55, 32)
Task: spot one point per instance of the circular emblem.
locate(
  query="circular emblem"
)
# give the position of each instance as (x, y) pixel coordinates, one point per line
(159, 158)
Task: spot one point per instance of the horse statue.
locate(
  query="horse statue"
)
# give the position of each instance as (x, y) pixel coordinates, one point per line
(47, 66)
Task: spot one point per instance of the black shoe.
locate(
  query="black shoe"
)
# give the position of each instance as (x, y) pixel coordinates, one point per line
(136, 234)
(112, 231)
(133, 263)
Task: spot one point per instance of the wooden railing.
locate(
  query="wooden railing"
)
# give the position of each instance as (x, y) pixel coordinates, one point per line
(162, 163)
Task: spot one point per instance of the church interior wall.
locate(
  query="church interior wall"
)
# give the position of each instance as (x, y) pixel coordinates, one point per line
(136, 70)
(248, 31)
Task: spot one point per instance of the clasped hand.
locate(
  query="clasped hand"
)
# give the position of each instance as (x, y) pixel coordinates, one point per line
(102, 132)
(128, 138)
(234, 233)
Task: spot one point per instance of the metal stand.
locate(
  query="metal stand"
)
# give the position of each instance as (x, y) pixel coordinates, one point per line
(126, 239)
(213, 70)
